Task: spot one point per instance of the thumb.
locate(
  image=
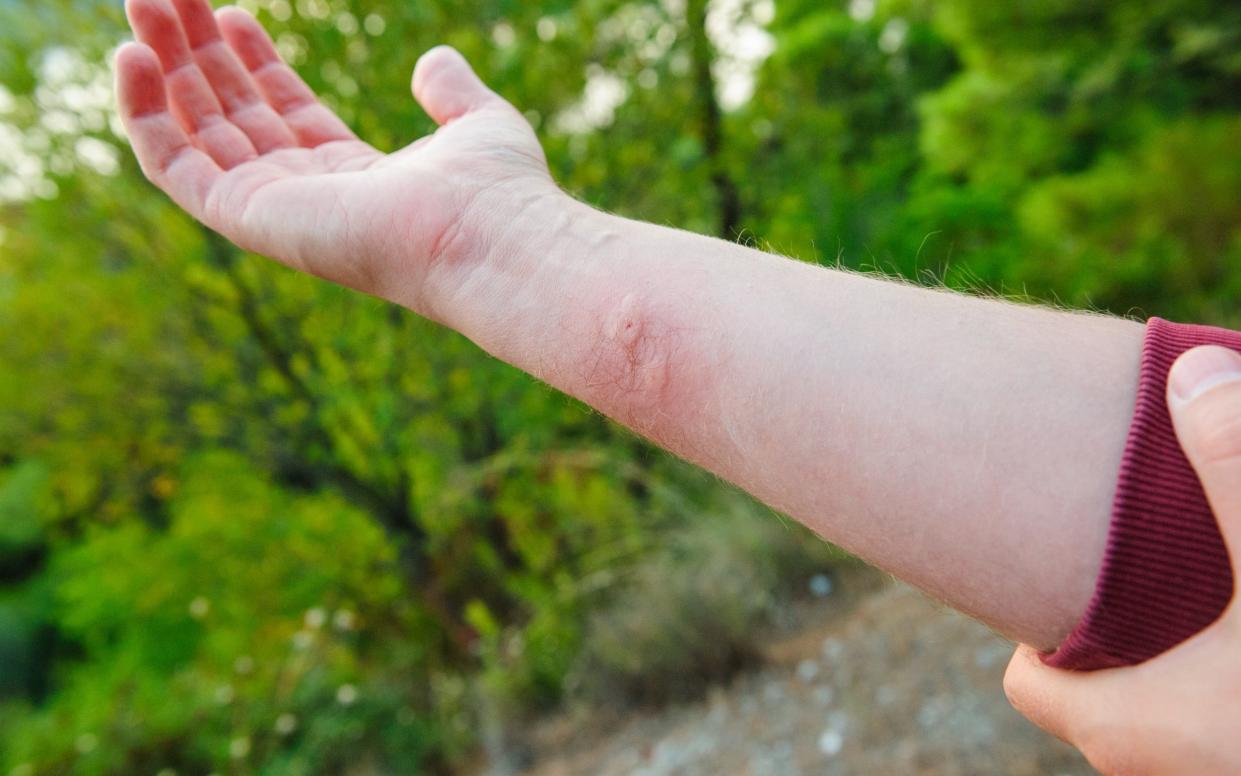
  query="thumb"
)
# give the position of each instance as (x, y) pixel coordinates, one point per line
(1204, 397)
(1063, 703)
(447, 87)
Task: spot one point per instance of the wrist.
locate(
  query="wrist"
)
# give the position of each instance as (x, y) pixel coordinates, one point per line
(516, 264)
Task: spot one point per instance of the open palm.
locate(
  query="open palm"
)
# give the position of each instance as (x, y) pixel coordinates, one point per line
(235, 137)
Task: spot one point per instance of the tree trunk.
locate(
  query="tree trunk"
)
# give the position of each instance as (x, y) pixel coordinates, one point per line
(711, 120)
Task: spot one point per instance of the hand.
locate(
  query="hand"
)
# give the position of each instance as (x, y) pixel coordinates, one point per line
(238, 140)
(1179, 712)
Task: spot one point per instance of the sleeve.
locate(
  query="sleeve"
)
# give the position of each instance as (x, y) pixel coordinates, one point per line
(1165, 573)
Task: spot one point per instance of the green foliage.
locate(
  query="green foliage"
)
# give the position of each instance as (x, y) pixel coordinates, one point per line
(1158, 226)
(22, 491)
(250, 522)
(266, 661)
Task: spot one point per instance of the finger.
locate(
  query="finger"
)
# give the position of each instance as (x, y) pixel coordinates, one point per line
(163, 150)
(1204, 398)
(234, 88)
(447, 87)
(310, 121)
(1036, 699)
(193, 101)
(1063, 703)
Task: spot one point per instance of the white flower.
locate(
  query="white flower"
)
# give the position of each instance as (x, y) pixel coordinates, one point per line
(503, 35)
(286, 724)
(546, 29)
(315, 618)
(238, 748)
(374, 24)
(346, 694)
(224, 694)
(893, 35)
(199, 608)
(343, 620)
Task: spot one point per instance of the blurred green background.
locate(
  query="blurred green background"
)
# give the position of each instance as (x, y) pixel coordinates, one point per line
(250, 522)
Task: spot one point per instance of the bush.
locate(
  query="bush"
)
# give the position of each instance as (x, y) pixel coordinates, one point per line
(692, 612)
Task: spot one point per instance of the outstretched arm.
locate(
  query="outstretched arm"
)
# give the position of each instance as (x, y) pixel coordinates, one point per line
(970, 447)
(967, 446)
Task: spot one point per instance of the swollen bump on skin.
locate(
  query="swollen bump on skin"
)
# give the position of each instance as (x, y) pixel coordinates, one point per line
(632, 359)
(626, 325)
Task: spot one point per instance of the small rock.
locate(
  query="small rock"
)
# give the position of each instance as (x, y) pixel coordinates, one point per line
(773, 692)
(629, 759)
(931, 713)
(833, 648)
(824, 695)
(831, 741)
(821, 586)
(807, 670)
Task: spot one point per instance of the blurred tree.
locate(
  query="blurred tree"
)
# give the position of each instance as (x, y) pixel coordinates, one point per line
(1062, 123)
(834, 130)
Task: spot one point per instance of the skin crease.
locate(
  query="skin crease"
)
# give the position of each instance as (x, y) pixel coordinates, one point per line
(968, 446)
(1179, 712)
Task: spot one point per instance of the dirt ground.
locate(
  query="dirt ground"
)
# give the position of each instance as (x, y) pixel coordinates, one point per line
(872, 679)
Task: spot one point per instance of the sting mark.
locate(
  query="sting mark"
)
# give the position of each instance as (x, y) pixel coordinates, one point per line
(630, 358)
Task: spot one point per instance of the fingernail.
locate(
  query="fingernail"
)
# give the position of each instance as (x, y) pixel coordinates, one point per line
(1201, 369)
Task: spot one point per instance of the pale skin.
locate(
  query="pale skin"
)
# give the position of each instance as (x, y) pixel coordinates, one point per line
(1179, 712)
(967, 446)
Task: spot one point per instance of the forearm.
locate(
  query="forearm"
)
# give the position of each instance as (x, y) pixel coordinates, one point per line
(965, 445)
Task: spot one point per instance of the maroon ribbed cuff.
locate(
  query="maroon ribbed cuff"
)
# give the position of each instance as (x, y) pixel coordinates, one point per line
(1166, 573)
